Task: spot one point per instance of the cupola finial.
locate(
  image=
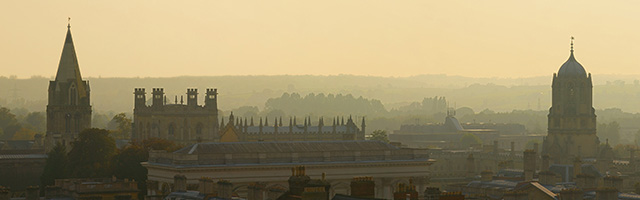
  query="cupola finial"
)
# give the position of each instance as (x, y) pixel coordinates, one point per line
(69, 23)
(572, 44)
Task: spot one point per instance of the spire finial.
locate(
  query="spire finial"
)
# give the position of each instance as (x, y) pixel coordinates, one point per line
(69, 23)
(572, 44)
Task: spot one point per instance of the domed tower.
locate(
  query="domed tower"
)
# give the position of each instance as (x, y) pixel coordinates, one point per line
(572, 119)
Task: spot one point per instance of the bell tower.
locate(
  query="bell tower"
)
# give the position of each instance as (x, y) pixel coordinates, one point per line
(572, 118)
(68, 108)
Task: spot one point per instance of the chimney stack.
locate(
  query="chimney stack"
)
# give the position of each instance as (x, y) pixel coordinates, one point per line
(180, 183)
(529, 164)
(363, 187)
(205, 185)
(256, 191)
(33, 193)
(225, 189)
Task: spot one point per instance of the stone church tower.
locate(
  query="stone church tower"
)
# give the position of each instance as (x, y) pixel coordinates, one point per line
(572, 118)
(69, 108)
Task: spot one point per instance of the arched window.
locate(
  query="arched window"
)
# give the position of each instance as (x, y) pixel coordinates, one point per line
(199, 129)
(67, 123)
(172, 130)
(148, 133)
(73, 94)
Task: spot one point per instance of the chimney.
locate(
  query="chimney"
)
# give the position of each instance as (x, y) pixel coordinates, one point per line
(529, 164)
(606, 193)
(180, 183)
(52, 191)
(545, 163)
(256, 191)
(471, 166)
(486, 176)
(363, 187)
(577, 167)
(33, 193)
(225, 189)
(406, 192)
(205, 185)
(547, 178)
(613, 182)
(571, 194)
(432, 193)
(158, 95)
(315, 193)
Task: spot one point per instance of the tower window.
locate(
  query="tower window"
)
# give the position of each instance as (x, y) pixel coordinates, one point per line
(73, 95)
(199, 129)
(172, 129)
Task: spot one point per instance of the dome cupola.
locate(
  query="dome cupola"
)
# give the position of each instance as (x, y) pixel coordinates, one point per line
(572, 68)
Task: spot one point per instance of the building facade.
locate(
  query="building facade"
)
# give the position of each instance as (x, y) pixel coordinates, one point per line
(244, 163)
(238, 129)
(572, 118)
(69, 107)
(184, 123)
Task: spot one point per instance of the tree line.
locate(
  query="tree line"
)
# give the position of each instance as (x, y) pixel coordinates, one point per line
(94, 155)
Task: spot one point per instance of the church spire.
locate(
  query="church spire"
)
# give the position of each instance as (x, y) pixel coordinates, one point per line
(68, 68)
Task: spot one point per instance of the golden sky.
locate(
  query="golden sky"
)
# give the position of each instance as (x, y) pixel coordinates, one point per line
(476, 38)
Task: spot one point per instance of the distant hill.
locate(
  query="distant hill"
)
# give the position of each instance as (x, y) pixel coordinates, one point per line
(498, 94)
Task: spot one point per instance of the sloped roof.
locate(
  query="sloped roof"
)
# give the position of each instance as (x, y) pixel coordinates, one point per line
(284, 147)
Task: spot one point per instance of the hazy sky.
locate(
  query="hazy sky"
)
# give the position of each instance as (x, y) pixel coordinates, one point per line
(478, 38)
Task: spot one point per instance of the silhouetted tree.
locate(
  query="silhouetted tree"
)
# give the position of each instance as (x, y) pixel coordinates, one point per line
(469, 139)
(127, 162)
(92, 153)
(56, 166)
(380, 135)
(122, 126)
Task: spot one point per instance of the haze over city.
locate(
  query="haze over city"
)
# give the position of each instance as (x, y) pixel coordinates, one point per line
(379, 38)
(319, 100)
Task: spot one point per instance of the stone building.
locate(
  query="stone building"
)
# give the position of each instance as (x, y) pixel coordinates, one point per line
(69, 107)
(246, 130)
(184, 123)
(244, 163)
(572, 118)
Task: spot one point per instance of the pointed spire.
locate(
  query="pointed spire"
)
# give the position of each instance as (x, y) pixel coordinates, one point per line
(294, 121)
(280, 120)
(266, 121)
(222, 123)
(251, 121)
(260, 121)
(68, 68)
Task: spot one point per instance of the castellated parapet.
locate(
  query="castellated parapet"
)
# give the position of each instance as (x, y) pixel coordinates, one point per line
(174, 119)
